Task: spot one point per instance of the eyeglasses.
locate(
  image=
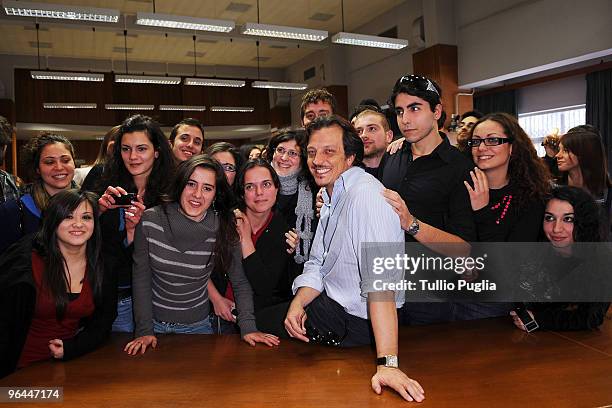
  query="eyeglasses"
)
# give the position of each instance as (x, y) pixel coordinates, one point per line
(229, 167)
(420, 83)
(291, 153)
(489, 141)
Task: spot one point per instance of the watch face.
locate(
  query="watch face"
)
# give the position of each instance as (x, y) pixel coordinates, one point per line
(392, 361)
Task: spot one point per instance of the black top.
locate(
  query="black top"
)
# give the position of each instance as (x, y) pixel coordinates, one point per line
(18, 218)
(375, 171)
(285, 204)
(17, 305)
(432, 187)
(516, 225)
(93, 178)
(551, 164)
(116, 253)
(270, 269)
(569, 316)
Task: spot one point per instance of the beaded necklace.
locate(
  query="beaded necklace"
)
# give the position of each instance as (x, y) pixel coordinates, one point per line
(505, 202)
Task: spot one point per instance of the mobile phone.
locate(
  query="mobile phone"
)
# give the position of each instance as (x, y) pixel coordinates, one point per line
(235, 312)
(125, 200)
(528, 321)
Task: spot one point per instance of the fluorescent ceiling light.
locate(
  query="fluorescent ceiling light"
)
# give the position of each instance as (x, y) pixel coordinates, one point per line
(295, 33)
(184, 22)
(76, 105)
(197, 108)
(147, 79)
(232, 109)
(123, 106)
(67, 76)
(47, 10)
(369, 41)
(214, 82)
(279, 85)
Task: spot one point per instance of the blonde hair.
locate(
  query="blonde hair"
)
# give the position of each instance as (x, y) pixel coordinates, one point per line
(383, 119)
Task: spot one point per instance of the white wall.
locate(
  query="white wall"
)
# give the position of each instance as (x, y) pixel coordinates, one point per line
(371, 72)
(329, 66)
(502, 39)
(551, 95)
(368, 72)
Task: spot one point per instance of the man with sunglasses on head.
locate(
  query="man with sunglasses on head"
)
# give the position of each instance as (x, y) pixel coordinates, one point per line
(424, 182)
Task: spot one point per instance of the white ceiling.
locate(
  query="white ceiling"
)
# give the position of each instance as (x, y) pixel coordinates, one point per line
(65, 39)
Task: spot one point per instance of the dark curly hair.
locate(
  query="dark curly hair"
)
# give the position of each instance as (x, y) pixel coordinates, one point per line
(162, 173)
(30, 157)
(587, 219)
(317, 95)
(527, 174)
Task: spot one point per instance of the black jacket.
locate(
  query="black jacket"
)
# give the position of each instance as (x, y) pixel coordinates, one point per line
(270, 269)
(17, 303)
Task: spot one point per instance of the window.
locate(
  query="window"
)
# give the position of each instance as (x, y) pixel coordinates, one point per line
(542, 123)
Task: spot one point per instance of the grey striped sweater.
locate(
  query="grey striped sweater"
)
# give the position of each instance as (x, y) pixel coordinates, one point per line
(173, 260)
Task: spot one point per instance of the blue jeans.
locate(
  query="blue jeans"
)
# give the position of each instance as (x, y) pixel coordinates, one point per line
(201, 327)
(221, 326)
(125, 318)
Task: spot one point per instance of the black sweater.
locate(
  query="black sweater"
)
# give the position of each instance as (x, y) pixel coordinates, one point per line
(569, 316)
(518, 225)
(17, 303)
(270, 269)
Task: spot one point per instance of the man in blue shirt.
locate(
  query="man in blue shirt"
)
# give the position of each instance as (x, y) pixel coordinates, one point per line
(330, 303)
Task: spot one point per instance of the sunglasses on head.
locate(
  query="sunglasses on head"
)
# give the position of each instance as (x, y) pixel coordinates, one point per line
(416, 82)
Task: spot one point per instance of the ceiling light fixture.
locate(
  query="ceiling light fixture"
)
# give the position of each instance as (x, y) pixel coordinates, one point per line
(57, 11)
(279, 85)
(232, 109)
(75, 105)
(195, 108)
(148, 79)
(369, 41)
(123, 106)
(67, 76)
(184, 22)
(232, 83)
(294, 33)
(366, 40)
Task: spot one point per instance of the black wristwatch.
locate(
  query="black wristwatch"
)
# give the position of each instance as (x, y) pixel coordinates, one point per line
(388, 361)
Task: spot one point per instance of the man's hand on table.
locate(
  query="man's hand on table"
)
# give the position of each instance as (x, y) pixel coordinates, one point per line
(395, 378)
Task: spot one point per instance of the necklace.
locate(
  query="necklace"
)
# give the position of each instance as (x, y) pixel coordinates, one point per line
(505, 202)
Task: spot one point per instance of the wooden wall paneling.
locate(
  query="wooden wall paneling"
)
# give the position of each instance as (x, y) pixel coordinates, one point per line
(280, 116)
(341, 94)
(439, 63)
(86, 150)
(30, 95)
(7, 109)
(149, 94)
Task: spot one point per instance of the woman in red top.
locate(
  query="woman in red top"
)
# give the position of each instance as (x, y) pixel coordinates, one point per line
(56, 300)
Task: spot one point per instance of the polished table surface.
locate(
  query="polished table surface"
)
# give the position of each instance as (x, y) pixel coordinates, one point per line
(486, 363)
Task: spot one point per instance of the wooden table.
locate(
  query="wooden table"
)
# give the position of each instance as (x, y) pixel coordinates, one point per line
(484, 363)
